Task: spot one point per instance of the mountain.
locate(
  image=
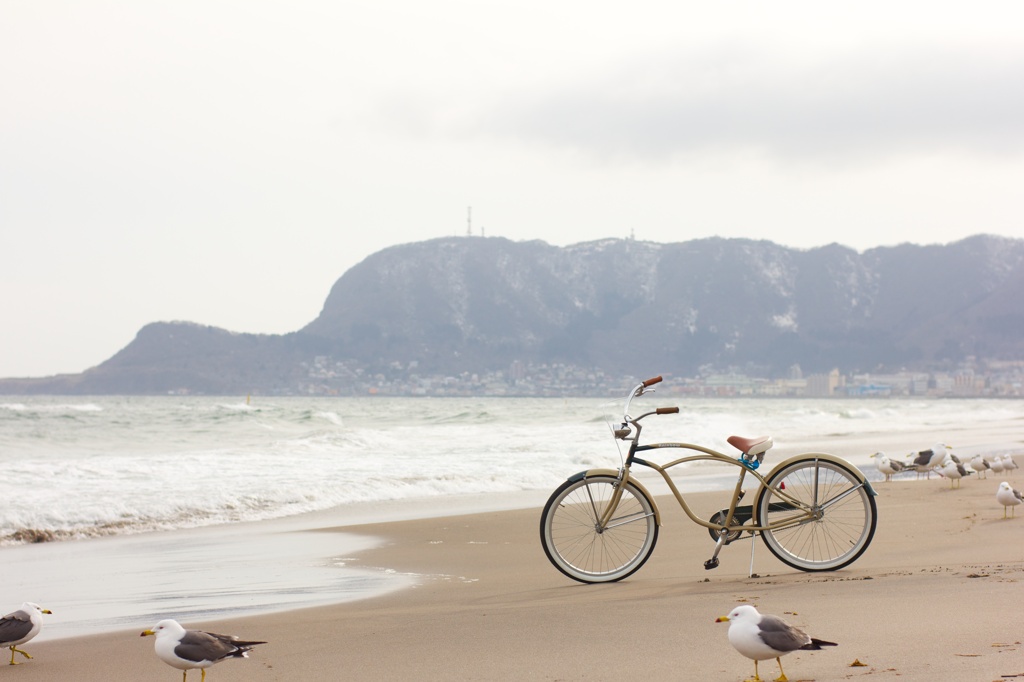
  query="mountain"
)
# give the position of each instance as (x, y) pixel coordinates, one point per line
(474, 304)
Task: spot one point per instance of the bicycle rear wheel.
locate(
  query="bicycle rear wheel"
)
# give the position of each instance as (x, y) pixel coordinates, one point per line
(841, 521)
(580, 549)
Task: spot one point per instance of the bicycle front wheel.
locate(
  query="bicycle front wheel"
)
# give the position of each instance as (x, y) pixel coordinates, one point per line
(823, 515)
(576, 544)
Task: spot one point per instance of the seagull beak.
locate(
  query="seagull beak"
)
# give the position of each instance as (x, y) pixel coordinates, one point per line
(721, 619)
(48, 611)
(147, 632)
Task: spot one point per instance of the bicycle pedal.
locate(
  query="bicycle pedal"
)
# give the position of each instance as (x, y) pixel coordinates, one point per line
(711, 563)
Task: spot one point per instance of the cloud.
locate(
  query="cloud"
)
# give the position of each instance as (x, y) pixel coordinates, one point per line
(852, 107)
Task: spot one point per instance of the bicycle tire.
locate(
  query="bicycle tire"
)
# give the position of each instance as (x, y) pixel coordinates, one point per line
(845, 515)
(577, 548)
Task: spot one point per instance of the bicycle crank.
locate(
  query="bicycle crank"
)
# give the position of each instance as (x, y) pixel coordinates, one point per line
(722, 542)
(718, 518)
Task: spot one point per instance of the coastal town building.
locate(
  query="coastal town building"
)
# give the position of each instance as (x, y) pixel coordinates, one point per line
(973, 378)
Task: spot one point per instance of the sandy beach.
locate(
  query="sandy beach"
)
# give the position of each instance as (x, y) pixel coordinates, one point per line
(936, 596)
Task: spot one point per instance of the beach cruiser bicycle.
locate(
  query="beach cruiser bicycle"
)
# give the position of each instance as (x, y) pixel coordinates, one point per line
(815, 512)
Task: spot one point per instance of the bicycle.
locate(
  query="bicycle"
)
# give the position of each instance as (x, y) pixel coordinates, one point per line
(814, 512)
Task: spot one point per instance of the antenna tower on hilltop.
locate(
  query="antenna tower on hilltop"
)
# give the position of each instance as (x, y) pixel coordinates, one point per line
(469, 221)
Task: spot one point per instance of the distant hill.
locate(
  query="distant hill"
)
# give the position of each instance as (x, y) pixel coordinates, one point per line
(473, 304)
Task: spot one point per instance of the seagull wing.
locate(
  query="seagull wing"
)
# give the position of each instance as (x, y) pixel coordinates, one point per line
(780, 635)
(15, 626)
(197, 646)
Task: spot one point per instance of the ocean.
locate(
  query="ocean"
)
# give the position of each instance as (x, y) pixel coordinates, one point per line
(91, 480)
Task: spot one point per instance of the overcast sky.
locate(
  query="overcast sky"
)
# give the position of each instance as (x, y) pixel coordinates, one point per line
(226, 161)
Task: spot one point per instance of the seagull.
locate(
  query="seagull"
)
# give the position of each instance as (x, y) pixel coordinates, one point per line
(1008, 497)
(888, 466)
(926, 460)
(761, 637)
(1008, 463)
(980, 465)
(954, 471)
(919, 461)
(20, 626)
(189, 649)
(997, 464)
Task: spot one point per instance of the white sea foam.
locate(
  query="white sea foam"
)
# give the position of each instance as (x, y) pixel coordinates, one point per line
(123, 465)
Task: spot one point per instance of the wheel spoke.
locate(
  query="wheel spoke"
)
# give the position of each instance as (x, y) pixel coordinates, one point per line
(576, 543)
(841, 517)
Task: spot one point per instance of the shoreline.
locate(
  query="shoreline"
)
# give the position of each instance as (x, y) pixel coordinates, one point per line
(265, 567)
(486, 605)
(251, 568)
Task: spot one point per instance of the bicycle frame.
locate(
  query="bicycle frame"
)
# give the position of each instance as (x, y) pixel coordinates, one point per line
(804, 513)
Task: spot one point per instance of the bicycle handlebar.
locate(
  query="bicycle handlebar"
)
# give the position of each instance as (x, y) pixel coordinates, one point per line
(624, 431)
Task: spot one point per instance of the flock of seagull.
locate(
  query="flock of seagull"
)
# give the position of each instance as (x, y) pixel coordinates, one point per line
(174, 645)
(941, 459)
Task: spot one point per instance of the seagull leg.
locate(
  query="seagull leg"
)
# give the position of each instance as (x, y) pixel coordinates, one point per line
(756, 677)
(782, 674)
(15, 649)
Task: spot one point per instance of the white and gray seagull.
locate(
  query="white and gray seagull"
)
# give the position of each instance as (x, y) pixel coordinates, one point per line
(1008, 497)
(888, 466)
(20, 626)
(954, 471)
(761, 637)
(979, 464)
(190, 649)
(929, 459)
(1008, 463)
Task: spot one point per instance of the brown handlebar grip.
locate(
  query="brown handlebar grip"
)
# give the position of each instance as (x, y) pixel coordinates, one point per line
(651, 382)
(667, 410)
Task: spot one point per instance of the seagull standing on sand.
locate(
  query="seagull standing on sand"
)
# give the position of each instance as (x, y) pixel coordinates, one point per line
(980, 465)
(1008, 463)
(997, 464)
(190, 649)
(20, 626)
(1008, 497)
(887, 466)
(926, 460)
(919, 462)
(761, 637)
(954, 471)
